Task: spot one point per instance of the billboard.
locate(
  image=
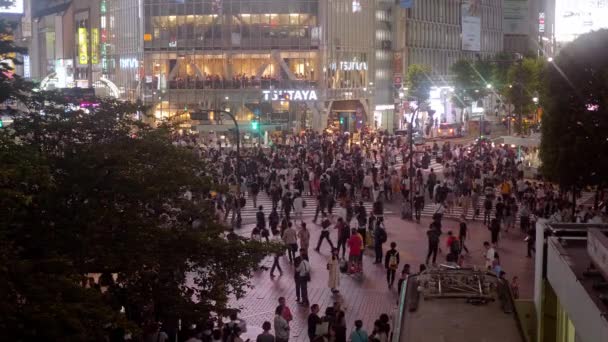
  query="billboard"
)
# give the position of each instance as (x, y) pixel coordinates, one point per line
(83, 46)
(515, 17)
(576, 17)
(94, 46)
(15, 8)
(471, 25)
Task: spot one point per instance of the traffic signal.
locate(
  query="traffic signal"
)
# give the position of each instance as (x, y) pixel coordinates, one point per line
(255, 125)
(341, 121)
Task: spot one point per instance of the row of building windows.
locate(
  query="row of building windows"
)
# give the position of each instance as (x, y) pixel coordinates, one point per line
(439, 60)
(164, 7)
(450, 12)
(432, 35)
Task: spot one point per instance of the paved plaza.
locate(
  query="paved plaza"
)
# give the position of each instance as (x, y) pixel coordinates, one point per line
(367, 297)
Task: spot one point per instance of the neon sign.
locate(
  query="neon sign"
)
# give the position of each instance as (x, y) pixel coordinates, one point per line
(290, 95)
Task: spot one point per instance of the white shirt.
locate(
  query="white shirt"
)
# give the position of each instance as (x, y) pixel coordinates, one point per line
(490, 253)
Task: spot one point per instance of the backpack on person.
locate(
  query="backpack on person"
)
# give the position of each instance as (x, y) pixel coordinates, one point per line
(392, 261)
(382, 235)
(455, 247)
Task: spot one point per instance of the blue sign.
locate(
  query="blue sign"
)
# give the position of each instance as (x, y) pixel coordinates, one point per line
(406, 3)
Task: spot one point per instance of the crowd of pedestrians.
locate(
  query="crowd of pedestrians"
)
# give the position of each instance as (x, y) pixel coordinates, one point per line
(483, 181)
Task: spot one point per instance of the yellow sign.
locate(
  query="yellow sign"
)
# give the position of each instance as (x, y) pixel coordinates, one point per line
(94, 46)
(147, 37)
(83, 46)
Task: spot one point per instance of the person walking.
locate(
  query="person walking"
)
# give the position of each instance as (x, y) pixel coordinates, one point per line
(273, 220)
(321, 206)
(281, 326)
(355, 250)
(433, 236)
(302, 277)
(462, 235)
(298, 207)
(380, 238)
(418, 205)
(487, 205)
(343, 235)
(333, 268)
(304, 237)
(265, 336)
(391, 263)
(324, 233)
(494, 230)
(254, 190)
(359, 334)
(313, 321)
(290, 238)
(489, 254)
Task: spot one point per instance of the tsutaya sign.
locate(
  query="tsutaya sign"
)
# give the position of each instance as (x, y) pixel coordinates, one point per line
(290, 95)
(349, 66)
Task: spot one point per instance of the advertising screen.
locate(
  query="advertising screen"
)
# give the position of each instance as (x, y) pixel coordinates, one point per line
(471, 25)
(15, 8)
(83, 46)
(576, 17)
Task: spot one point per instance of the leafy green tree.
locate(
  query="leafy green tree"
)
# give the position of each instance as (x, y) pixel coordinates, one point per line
(575, 120)
(99, 192)
(524, 83)
(418, 83)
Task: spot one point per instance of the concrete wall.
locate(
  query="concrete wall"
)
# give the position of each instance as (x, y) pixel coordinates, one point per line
(587, 319)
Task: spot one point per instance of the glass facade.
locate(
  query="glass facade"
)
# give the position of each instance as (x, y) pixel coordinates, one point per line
(223, 53)
(182, 55)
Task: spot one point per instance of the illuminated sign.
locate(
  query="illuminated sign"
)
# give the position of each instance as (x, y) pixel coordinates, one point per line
(541, 22)
(83, 46)
(94, 46)
(129, 63)
(26, 66)
(349, 66)
(574, 18)
(15, 8)
(290, 95)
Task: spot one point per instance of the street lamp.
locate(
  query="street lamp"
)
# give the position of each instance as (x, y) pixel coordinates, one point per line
(489, 86)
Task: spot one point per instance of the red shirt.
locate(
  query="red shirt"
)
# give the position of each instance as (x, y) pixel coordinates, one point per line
(355, 243)
(450, 240)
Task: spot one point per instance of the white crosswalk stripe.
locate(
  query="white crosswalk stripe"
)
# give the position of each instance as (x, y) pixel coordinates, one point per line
(437, 167)
(457, 211)
(264, 200)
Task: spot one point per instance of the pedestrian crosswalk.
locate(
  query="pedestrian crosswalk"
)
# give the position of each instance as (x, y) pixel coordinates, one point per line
(437, 167)
(456, 211)
(249, 211)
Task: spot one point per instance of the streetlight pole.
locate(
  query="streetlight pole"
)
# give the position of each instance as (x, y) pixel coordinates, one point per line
(411, 168)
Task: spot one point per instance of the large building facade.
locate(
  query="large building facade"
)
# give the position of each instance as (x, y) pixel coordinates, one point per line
(289, 63)
(295, 63)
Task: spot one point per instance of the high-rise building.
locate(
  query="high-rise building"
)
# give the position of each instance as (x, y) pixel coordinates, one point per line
(437, 33)
(290, 63)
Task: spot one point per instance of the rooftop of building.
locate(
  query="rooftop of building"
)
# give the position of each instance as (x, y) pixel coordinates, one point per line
(459, 305)
(574, 250)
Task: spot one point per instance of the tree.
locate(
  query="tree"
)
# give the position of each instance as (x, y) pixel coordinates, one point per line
(524, 80)
(418, 83)
(99, 192)
(575, 120)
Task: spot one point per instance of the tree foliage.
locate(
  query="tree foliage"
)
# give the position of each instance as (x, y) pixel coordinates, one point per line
(524, 83)
(470, 81)
(575, 120)
(99, 192)
(419, 83)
